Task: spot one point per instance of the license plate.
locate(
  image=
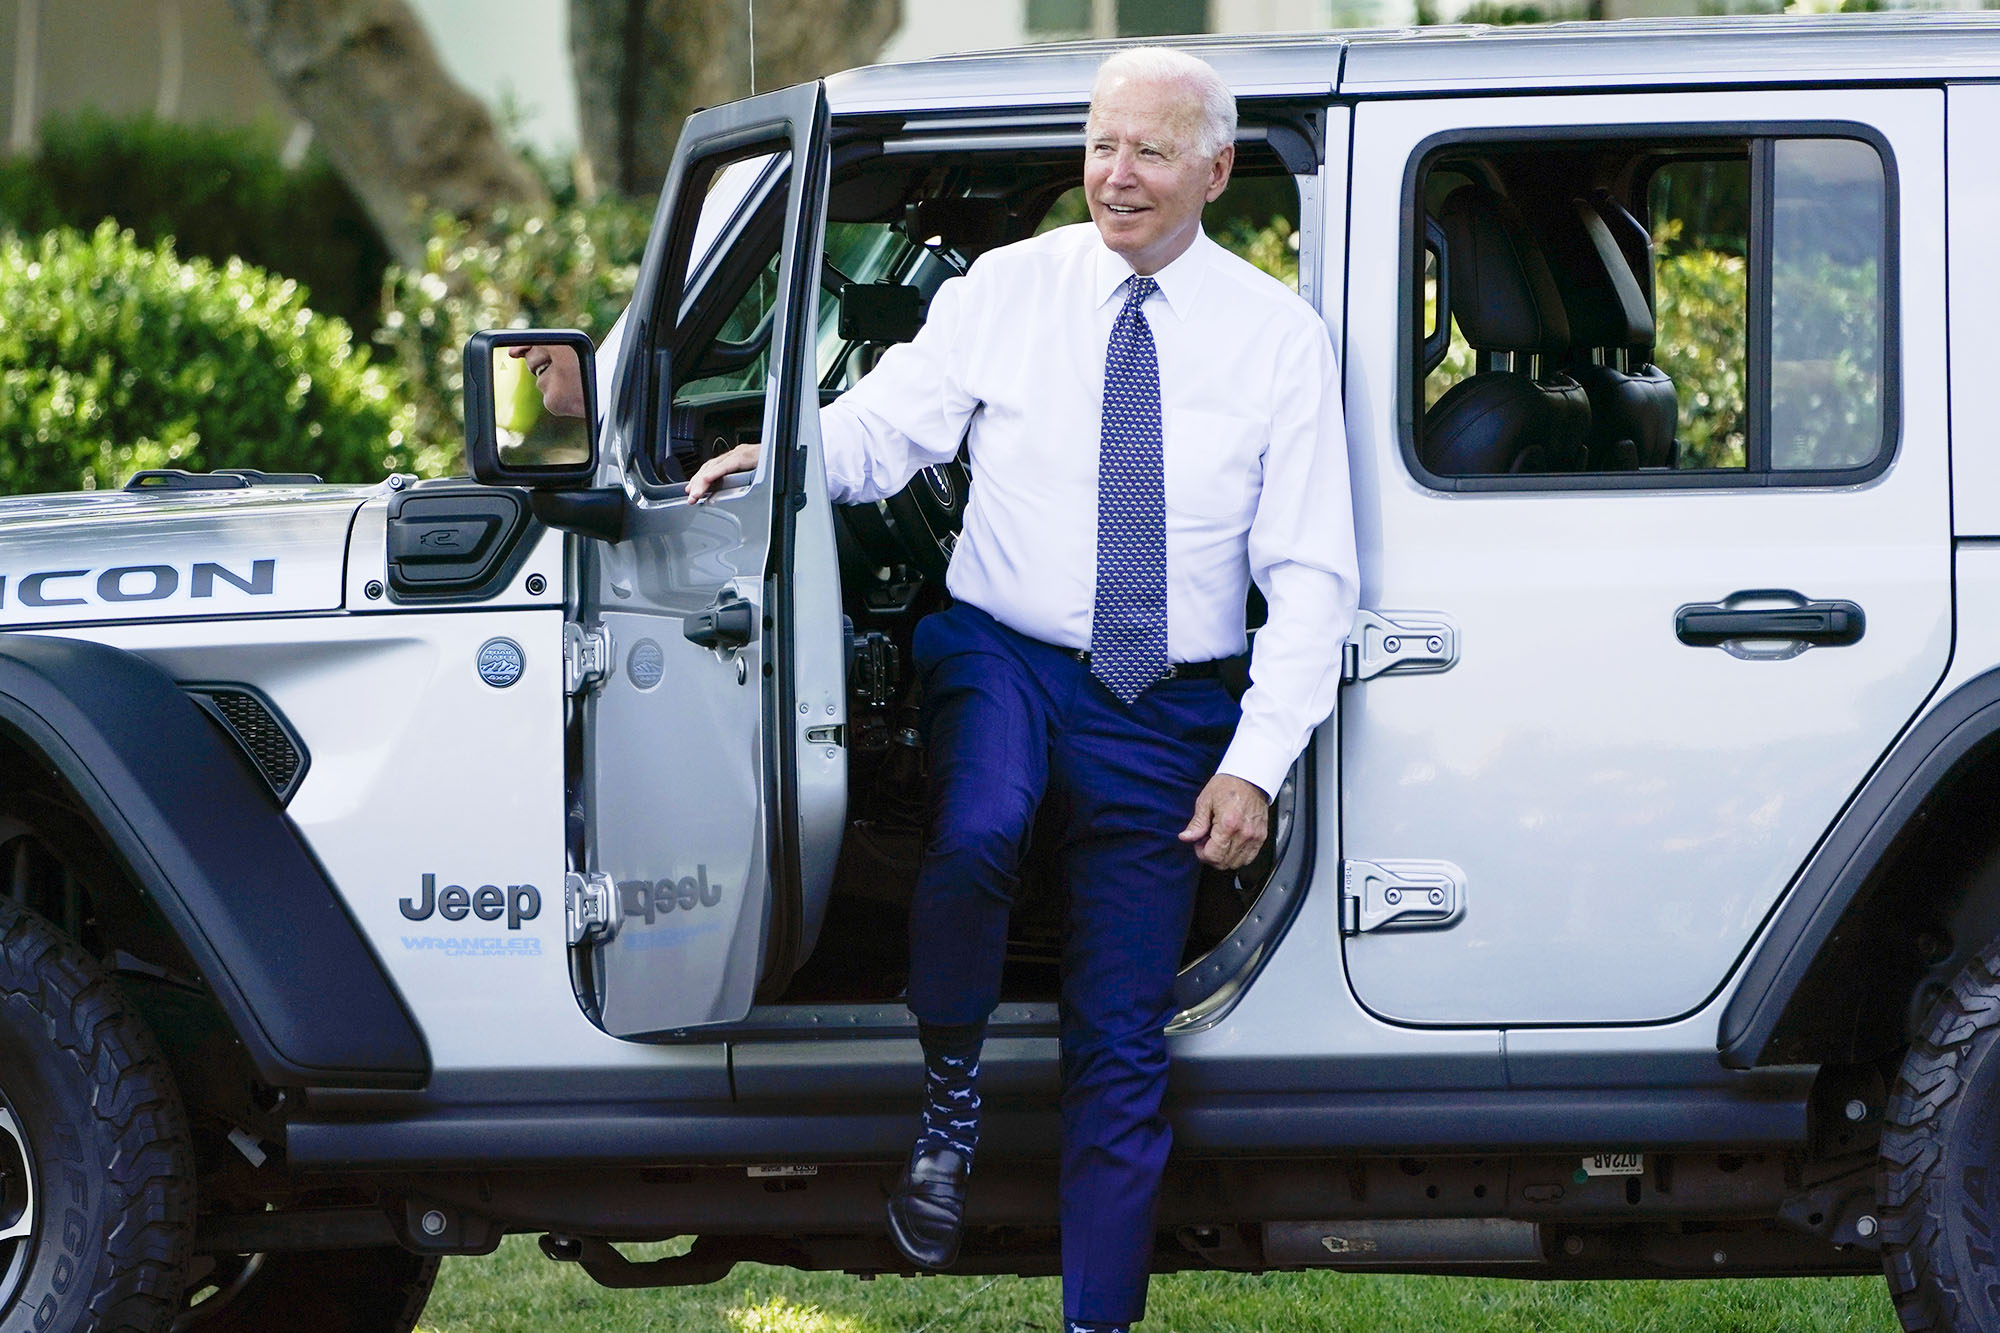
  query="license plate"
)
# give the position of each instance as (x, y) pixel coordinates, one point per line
(1615, 1164)
(785, 1171)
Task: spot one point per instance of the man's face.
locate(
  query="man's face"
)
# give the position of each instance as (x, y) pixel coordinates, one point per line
(557, 375)
(1144, 171)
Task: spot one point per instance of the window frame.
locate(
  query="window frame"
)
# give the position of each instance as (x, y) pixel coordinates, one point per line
(1757, 473)
(686, 291)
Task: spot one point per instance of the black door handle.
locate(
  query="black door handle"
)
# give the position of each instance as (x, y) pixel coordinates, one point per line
(1718, 624)
(726, 624)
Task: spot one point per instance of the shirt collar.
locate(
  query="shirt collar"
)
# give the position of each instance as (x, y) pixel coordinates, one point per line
(1179, 281)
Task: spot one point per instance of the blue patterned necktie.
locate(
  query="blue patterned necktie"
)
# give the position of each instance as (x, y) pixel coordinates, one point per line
(1128, 635)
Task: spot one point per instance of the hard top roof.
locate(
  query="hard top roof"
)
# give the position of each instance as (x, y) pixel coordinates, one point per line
(1623, 53)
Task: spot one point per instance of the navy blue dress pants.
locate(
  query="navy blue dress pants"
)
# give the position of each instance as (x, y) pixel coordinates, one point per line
(1013, 724)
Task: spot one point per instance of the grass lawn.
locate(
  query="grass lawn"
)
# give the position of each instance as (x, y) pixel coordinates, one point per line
(518, 1291)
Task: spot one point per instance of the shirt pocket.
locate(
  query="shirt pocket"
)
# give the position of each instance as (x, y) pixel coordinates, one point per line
(1213, 461)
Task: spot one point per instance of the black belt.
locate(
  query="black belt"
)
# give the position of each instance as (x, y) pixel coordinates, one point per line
(1210, 670)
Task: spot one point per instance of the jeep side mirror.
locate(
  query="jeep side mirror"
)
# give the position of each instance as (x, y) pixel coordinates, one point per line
(531, 408)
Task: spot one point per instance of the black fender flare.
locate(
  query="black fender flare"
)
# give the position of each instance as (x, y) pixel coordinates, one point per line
(202, 836)
(1829, 894)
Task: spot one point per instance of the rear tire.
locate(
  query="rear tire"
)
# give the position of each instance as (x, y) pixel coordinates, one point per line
(96, 1177)
(1940, 1185)
(318, 1291)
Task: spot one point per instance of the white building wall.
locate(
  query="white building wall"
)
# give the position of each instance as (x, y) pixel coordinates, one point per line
(514, 55)
(1268, 15)
(933, 27)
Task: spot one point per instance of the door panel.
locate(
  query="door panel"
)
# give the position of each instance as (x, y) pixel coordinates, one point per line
(1973, 111)
(685, 741)
(1625, 808)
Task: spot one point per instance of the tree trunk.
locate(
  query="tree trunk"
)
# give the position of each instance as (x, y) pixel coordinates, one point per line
(643, 65)
(393, 122)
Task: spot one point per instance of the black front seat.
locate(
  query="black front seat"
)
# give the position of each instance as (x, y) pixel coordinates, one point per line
(1633, 407)
(1518, 413)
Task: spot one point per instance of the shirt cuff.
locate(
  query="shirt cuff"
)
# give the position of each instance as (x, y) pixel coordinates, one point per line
(1258, 762)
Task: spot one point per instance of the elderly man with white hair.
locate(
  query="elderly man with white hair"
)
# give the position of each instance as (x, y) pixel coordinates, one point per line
(1153, 423)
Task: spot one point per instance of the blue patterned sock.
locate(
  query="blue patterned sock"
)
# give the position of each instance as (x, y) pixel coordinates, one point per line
(951, 1086)
(1073, 1326)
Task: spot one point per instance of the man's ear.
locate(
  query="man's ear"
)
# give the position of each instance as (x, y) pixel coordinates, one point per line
(1218, 176)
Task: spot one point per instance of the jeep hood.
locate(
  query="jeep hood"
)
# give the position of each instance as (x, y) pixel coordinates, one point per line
(119, 555)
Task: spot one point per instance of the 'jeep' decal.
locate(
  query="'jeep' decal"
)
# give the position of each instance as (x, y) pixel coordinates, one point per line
(652, 899)
(488, 902)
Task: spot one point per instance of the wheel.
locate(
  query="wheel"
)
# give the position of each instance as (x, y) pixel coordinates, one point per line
(926, 515)
(1940, 1186)
(96, 1177)
(323, 1291)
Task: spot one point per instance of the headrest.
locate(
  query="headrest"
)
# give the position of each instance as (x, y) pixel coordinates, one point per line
(1502, 294)
(1606, 306)
(1634, 241)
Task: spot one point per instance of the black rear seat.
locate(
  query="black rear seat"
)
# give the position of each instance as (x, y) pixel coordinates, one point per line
(1633, 407)
(1529, 418)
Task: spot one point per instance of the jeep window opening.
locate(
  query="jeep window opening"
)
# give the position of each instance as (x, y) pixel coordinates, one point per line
(1837, 410)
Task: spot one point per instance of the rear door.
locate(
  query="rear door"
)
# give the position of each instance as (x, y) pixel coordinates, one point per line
(713, 762)
(1616, 710)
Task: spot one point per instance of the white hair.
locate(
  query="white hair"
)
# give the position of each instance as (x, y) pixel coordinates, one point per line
(1163, 64)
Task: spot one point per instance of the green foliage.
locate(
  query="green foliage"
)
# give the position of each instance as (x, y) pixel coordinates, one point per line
(215, 192)
(1826, 371)
(1273, 248)
(573, 268)
(1701, 303)
(1502, 13)
(1459, 363)
(115, 356)
(1505, 13)
(1701, 204)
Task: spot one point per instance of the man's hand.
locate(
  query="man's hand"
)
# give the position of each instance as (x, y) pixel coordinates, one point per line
(1231, 820)
(743, 458)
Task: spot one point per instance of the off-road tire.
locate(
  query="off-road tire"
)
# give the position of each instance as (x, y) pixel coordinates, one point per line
(104, 1139)
(1940, 1186)
(320, 1291)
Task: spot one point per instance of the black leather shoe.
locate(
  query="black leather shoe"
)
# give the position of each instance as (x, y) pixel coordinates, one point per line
(927, 1207)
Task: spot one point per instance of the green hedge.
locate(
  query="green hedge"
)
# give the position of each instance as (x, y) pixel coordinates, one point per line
(1701, 300)
(115, 356)
(217, 192)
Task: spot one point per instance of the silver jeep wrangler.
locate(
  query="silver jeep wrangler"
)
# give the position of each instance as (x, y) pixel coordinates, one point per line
(394, 869)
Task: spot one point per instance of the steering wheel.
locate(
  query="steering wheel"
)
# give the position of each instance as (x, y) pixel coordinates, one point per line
(923, 519)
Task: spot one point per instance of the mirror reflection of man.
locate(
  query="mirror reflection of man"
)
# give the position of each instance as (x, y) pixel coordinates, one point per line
(1153, 424)
(558, 376)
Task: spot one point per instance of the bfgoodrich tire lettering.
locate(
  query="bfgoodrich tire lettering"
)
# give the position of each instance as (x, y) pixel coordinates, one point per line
(1941, 1163)
(101, 1135)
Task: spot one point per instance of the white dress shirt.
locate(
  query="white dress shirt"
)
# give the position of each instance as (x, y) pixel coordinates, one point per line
(1256, 461)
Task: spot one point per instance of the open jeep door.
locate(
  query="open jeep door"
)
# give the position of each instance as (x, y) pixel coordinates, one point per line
(713, 759)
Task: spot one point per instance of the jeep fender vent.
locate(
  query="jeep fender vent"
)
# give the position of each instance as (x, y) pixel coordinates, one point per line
(260, 729)
(456, 542)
